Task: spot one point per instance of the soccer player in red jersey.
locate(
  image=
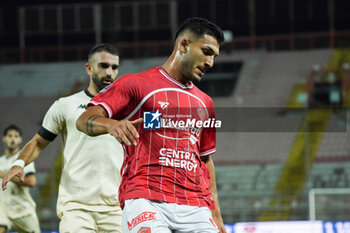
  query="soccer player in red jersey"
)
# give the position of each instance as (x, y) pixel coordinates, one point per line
(168, 178)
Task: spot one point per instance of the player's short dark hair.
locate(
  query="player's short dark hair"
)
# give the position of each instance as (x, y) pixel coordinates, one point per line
(201, 27)
(103, 47)
(12, 127)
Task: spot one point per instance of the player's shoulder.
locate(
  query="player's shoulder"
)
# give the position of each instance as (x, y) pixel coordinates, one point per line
(70, 99)
(139, 78)
(3, 157)
(202, 95)
(63, 104)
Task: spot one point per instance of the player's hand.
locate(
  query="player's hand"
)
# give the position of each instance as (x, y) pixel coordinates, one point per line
(14, 171)
(218, 221)
(222, 228)
(2, 174)
(125, 131)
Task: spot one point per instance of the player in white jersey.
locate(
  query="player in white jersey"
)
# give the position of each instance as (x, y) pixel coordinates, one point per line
(88, 190)
(17, 208)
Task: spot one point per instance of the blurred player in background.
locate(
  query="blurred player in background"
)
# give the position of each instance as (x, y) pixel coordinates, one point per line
(88, 190)
(17, 208)
(168, 175)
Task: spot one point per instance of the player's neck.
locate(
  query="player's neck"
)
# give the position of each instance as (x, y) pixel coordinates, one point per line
(92, 90)
(11, 152)
(171, 66)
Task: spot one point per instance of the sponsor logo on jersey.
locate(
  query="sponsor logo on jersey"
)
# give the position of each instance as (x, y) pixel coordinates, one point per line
(177, 158)
(201, 114)
(143, 217)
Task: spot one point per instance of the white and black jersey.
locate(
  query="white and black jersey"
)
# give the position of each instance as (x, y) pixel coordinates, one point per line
(91, 171)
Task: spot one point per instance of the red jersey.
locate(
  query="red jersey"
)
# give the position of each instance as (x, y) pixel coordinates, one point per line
(165, 165)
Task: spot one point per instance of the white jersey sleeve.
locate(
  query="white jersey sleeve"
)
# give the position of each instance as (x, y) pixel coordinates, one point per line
(54, 121)
(29, 169)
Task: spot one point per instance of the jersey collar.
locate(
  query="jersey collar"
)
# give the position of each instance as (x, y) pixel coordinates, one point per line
(88, 93)
(166, 75)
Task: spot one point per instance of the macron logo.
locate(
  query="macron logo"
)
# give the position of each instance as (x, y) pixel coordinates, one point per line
(163, 105)
(83, 106)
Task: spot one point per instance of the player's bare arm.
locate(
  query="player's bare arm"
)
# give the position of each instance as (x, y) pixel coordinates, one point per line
(94, 121)
(28, 154)
(215, 212)
(29, 180)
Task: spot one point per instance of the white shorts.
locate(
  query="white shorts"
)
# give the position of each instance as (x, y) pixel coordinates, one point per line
(83, 221)
(146, 216)
(4, 221)
(28, 223)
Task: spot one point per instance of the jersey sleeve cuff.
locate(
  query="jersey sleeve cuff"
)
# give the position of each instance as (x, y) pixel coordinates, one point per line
(103, 105)
(46, 134)
(208, 152)
(30, 173)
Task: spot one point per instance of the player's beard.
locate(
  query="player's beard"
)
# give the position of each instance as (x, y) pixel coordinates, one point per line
(99, 81)
(12, 146)
(187, 66)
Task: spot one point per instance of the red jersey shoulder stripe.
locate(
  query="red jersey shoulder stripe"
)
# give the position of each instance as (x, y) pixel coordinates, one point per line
(104, 105)
(208, 152)
(160, 90)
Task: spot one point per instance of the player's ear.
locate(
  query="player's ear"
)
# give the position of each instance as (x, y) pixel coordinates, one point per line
(184, 43)
(88, 68)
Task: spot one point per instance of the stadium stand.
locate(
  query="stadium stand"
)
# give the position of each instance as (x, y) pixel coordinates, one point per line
(39, 79)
